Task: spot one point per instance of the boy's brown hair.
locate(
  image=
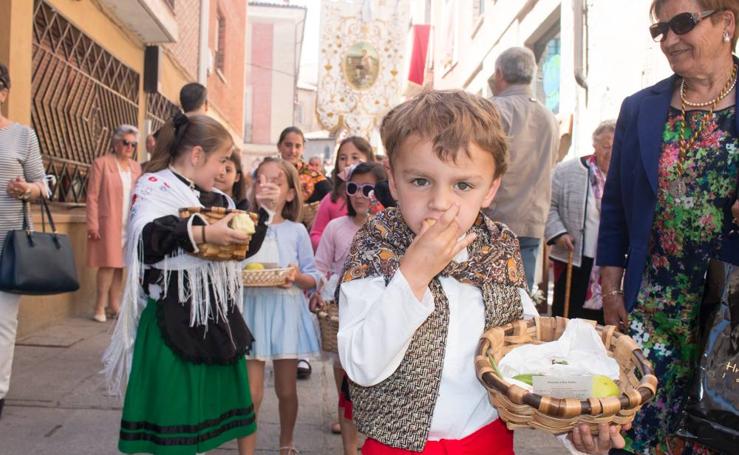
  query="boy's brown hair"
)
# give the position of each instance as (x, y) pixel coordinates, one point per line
(451, 120)
(291, 210)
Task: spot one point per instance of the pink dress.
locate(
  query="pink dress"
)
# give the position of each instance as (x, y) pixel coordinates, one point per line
(327, 211)
(334, 247)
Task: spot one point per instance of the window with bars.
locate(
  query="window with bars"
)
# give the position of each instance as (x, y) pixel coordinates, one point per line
(80, 93)
(220, 54)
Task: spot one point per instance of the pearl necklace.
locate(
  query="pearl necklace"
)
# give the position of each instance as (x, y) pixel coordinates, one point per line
(728, 87)
(687, 144)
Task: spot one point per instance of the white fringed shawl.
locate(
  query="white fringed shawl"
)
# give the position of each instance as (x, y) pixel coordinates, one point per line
(156, 195)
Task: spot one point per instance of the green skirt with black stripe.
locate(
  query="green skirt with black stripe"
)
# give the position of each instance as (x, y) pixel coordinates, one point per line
(174, 407)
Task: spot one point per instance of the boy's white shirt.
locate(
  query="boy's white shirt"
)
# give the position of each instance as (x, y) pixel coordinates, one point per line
(377, 323)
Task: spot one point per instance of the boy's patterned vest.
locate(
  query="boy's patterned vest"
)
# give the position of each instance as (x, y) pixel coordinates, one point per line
(398, 411)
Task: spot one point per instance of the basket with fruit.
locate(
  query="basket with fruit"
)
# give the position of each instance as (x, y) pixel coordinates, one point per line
(242, 221)
(615, 402)
(258, 275)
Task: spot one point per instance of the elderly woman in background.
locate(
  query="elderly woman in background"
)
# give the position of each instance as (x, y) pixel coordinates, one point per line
(22, 177)
(666, 209)
(108, 198)
(572, 226)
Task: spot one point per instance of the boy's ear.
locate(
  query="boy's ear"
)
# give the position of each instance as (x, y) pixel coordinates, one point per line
(391, 181)
(491, 192)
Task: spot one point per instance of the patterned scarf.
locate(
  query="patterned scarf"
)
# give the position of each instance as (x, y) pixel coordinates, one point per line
(597, 179)
(593, 297)
(398, 411)
(495, 258)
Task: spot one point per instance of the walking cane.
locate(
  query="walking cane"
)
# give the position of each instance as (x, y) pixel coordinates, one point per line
(568, 284)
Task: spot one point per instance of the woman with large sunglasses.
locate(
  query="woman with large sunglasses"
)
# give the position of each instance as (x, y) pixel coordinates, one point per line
(112, 176)
(667, 203)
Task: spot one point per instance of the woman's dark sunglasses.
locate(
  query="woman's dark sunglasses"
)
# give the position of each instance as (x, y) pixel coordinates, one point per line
(366, 189)
(131, 144)
(680, 24)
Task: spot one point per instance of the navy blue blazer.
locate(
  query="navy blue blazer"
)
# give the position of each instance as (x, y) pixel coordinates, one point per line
(630, 196)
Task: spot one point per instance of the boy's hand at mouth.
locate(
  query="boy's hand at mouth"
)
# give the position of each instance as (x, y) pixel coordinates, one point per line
(432, 250)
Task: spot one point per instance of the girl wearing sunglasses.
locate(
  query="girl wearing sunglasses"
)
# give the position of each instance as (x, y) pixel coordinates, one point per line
(352, 150)
(667, 202)
(330, 257)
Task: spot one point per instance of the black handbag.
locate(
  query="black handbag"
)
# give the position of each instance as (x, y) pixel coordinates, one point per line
(37, 263)
(711, 414)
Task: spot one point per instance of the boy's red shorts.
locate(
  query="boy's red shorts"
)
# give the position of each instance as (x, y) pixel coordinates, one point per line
(492, 439)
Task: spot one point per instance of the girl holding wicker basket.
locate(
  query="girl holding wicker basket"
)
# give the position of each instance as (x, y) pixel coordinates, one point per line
(283, 326)
(331, 255)
(180, 340)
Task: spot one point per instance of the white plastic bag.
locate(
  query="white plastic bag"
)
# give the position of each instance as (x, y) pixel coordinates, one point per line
(328, 289)
(578, 352)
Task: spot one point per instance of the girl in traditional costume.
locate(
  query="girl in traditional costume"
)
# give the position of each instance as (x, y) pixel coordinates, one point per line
(180, 340)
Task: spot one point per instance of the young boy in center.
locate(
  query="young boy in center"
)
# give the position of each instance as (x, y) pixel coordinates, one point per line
(423, 281)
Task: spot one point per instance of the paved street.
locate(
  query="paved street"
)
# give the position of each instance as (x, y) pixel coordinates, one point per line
(57, 403)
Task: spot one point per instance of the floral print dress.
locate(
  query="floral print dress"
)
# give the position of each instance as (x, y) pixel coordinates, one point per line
(692, 215)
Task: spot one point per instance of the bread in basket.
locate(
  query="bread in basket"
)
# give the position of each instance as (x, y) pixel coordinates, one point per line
(520, 408)
(211, 251)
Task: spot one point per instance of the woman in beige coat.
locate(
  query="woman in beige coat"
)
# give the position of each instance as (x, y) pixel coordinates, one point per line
(108, 198)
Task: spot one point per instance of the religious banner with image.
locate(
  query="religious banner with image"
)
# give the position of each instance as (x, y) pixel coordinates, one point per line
(362, 48)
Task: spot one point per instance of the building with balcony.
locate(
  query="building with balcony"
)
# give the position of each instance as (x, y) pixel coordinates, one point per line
(80, 68)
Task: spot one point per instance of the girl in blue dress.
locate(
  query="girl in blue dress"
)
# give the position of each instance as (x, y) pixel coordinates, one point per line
(283, 327)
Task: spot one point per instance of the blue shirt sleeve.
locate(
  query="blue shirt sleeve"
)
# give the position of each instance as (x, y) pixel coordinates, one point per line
(306, 260)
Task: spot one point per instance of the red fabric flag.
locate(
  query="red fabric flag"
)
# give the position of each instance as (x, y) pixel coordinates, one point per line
(418, 54)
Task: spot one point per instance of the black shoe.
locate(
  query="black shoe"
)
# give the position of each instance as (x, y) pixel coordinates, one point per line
(2, 403)
(304, 369)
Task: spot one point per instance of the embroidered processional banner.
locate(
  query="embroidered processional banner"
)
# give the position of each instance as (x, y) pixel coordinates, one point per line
(361, 63)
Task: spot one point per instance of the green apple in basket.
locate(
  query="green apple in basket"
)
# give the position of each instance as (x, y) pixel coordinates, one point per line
(603, 386)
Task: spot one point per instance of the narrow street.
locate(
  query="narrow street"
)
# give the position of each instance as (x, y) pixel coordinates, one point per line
(57, 403)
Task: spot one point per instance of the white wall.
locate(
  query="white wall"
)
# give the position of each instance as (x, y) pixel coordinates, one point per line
(622, 59)
(621, 56)
(283, 77)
